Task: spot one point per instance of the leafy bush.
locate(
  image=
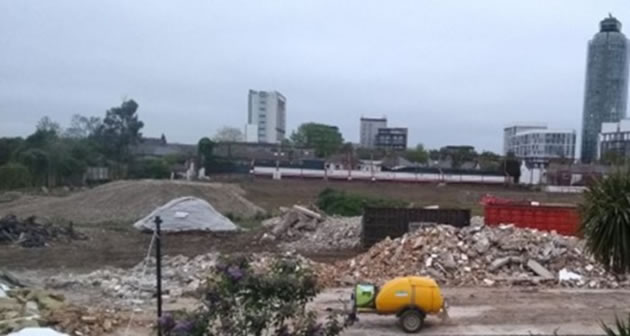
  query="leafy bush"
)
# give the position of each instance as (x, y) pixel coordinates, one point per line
(621, 328)
(335, 202)
(238, 302)
(605, 214)
(150, 168)
(14, 175)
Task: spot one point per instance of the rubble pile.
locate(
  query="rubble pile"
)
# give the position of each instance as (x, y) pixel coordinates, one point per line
(479, 255)
(34, 232)
(303, 229)
(180, 275)
(26, 307)
(76, 320)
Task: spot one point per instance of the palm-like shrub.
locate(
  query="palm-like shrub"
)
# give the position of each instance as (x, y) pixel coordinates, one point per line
(620, 328)
(605, 213)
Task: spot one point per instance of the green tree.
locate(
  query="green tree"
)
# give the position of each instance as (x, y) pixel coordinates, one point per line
(605, 214)
(512, 166)
(228, 134)
(47, 124)
(51, 158)
(418, 154)
(8, 146)
(489, 161)
(324, 139)
(120, 130)
(14, 175)
(458, 154)
(205, 148)
(82, 127)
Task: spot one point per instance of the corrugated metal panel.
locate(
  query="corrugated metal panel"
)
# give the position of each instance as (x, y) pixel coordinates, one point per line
(379, 223)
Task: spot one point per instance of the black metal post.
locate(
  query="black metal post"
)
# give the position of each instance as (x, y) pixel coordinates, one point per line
(158, 269)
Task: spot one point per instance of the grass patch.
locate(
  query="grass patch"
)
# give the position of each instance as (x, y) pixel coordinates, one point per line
(335, 202)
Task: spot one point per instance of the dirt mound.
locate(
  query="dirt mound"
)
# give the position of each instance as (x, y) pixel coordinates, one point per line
(128, 201)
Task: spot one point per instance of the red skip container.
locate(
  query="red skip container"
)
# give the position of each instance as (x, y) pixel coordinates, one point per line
(562, 218)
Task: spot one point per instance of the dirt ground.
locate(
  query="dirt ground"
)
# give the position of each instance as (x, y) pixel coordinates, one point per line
(484, 311)
(478, 311)
(271, 194)
(124, 248)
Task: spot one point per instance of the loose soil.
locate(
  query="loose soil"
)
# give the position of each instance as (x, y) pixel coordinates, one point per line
(125, 248)
(128, 201)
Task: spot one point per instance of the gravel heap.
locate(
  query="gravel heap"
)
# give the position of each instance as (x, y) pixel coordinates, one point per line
(479, 255)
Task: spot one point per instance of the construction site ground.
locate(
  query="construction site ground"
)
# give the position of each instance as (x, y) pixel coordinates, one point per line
(472, 311)
(508, 311)
(116, 243)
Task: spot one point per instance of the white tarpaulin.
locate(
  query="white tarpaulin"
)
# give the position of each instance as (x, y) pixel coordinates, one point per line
(187, 214)
(37, 332)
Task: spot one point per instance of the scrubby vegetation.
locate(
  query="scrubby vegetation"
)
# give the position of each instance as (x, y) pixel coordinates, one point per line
(335, 202)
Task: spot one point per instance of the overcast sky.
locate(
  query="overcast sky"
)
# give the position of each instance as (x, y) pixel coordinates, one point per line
(453, 72)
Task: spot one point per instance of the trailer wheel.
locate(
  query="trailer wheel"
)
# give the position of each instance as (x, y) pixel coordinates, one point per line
(411, 320)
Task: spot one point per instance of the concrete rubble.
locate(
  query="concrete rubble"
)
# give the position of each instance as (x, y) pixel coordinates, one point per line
(302, 229)
(480, 255)
(28, 308)
(181, 276)
(136, 286)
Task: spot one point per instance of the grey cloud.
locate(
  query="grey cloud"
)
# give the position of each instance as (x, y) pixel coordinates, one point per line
(454, 72)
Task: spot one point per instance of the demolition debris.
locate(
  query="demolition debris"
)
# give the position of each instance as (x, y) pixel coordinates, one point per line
(479, 255)
(181, 276)
(35, 232)
(304, 229)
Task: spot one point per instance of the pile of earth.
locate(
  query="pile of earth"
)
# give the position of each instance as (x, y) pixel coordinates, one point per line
(128, 201)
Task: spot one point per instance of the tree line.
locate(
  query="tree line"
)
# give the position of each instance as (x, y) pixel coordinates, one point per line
(52, 155)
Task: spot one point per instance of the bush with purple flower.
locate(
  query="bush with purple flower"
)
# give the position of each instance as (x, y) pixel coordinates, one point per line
(239, 302)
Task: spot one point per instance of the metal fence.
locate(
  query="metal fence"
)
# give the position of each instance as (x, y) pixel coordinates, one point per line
(380, 223)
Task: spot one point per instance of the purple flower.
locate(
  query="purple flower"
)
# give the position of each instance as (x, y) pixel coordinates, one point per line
(183, 328)
(166, 322)
(235, 273)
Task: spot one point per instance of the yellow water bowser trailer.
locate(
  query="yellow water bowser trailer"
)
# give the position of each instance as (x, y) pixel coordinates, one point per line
(409, 298)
